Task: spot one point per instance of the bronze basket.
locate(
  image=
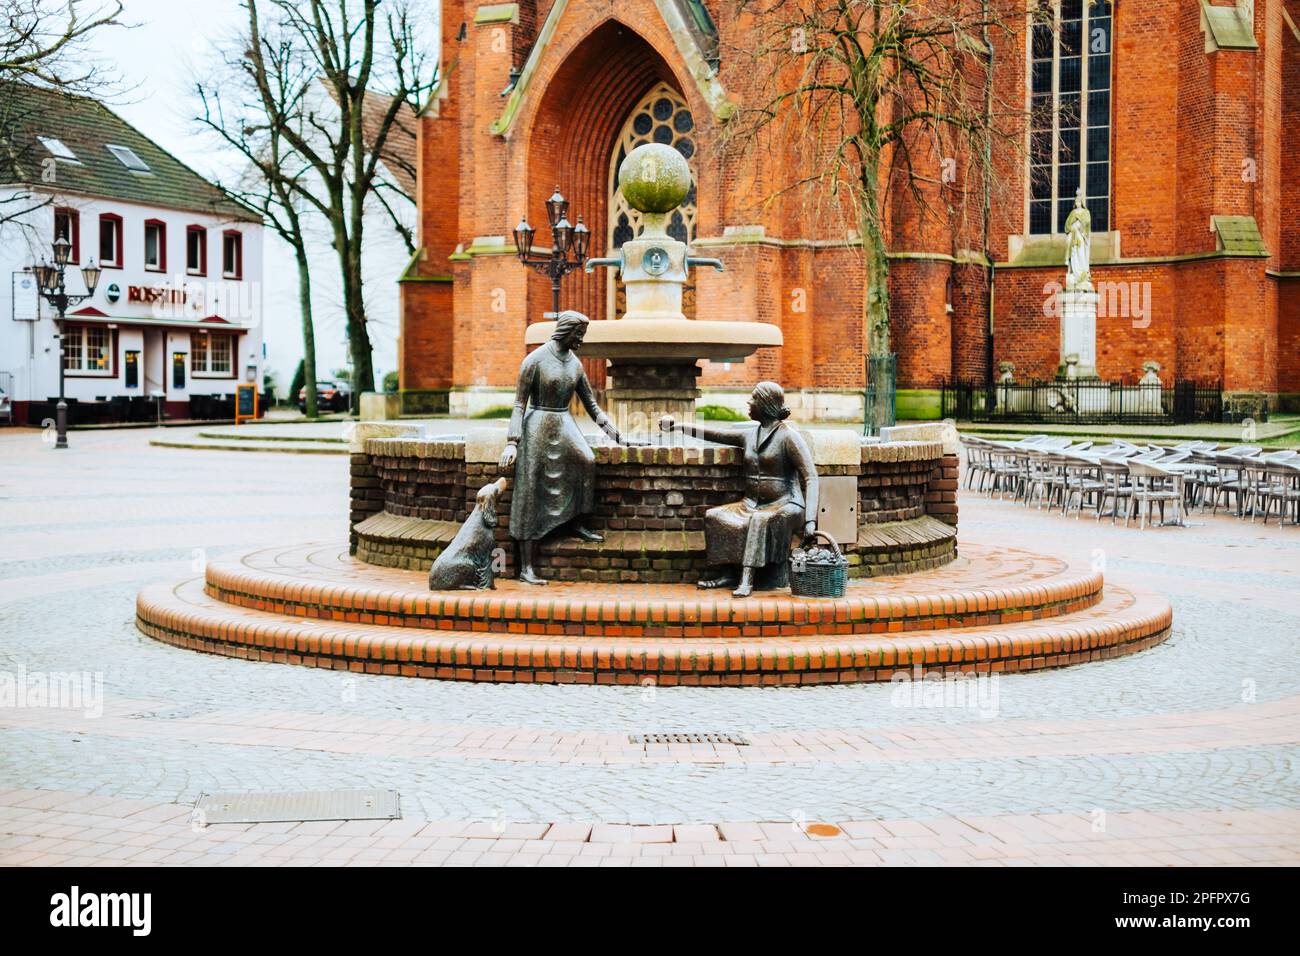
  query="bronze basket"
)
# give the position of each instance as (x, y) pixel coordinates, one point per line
(819, 578)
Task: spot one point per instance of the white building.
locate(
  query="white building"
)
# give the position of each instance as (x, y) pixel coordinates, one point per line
(176, 318)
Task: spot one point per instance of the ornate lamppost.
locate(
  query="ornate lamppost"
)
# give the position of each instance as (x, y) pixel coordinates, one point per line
(566, 238)
(50, 279)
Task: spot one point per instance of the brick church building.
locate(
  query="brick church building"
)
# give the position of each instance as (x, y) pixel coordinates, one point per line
(1181, 132)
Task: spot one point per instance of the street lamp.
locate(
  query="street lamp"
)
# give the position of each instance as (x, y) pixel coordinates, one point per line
(566, 238)
(50, 279)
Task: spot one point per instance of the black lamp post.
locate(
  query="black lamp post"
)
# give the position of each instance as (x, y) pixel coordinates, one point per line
(566, 238)
(50, 278)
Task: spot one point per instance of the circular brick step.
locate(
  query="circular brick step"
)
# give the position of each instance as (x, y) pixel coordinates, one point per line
(984, 586)
(186, 616)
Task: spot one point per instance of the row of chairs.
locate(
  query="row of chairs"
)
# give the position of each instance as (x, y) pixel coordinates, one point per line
(1056, 472)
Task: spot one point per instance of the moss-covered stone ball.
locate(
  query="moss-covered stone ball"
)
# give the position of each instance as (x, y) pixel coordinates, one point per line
(654, 178)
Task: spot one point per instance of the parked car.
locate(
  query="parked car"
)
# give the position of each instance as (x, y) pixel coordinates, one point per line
(6, 407)
(330, 397)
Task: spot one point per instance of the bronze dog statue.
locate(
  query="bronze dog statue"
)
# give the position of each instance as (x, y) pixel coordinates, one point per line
(466, 563)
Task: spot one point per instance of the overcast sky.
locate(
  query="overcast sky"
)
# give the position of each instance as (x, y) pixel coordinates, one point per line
(157, 60)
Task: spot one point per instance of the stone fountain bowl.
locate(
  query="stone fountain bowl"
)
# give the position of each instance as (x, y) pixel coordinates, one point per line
(667, 339)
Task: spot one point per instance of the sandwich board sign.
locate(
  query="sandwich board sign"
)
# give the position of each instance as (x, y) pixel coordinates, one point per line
(245, 402)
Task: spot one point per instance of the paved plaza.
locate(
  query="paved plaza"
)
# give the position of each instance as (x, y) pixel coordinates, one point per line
(1181, 754)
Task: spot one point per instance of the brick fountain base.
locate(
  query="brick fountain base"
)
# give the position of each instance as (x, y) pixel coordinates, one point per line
(625, 611)
(410, 495)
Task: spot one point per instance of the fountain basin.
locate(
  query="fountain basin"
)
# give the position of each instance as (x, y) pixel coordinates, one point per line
(410, 495)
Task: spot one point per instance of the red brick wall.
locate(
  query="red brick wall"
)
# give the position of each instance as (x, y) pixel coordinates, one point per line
(1183, 123)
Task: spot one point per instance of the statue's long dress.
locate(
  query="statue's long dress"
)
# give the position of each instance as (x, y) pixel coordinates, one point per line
(555, 471)
(757, 530)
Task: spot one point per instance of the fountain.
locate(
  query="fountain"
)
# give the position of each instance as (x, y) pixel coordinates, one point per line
(653, 350)
(622, 606)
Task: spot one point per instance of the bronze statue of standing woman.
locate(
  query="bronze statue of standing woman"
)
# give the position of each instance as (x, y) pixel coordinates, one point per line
(752, 536)
(554, 466)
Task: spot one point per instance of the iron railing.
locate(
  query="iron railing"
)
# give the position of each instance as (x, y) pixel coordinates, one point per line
(1084, 402)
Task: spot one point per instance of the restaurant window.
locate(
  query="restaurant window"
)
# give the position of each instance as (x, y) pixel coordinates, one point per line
(1070, 134)
(132, 370)
(196, 250)
(211, 354)
(110, 240)
(67, 224)
(88, 349)
(232, 255)
(155, 245)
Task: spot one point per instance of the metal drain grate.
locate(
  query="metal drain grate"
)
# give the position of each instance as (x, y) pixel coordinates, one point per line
(295, 806)
(739, 740)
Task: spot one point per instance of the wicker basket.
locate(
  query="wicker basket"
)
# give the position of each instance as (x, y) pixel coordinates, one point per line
(818, 578)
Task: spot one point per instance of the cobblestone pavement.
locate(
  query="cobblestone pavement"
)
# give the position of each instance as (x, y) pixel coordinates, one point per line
(1185, 753)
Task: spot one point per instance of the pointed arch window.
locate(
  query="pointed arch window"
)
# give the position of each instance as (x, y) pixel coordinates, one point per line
(1070, 104)
(662, 116)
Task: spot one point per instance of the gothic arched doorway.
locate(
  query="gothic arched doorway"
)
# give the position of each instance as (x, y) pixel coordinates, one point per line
(574, 136)
(661, 116)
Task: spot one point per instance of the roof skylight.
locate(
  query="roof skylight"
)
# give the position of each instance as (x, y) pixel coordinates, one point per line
(57, 149)
(128, 158)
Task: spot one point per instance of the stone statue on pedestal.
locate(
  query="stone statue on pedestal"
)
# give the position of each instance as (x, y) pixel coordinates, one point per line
(1078, 301)
(752, 536)
(1078, 250)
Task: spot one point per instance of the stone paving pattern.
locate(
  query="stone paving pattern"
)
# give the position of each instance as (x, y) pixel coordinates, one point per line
(1182, 754)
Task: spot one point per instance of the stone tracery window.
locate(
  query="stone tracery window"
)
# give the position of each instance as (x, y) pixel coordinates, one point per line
(1070, 102)
(662, 116)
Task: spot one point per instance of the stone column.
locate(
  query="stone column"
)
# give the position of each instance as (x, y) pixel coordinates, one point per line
(639, 393)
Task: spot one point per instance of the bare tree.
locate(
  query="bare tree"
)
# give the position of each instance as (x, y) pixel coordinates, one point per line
(354, 50)
(870, 99)
(43, 43)
(274, 178)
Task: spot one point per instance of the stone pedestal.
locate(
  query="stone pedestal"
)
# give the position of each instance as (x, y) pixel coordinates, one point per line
(640, 393)
(1079, 333)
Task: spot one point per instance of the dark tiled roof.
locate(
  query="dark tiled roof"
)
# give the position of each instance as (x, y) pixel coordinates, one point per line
(87, 127)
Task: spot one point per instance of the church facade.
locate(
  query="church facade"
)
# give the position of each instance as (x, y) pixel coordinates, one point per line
(1175, 120)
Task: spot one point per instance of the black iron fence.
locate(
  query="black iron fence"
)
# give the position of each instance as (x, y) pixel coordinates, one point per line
(878, 405)
(1084, 402)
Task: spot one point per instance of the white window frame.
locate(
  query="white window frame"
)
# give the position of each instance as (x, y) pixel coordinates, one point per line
(237, 237)
(204, 357)
(79, 337)
(59, 150)
(159, 247)
(118, 229)
(128, 158)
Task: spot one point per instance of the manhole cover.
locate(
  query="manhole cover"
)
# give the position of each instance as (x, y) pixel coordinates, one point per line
(739, 740)
(296, 805)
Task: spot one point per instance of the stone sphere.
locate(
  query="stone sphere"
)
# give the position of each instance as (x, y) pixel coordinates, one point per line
(654, 178)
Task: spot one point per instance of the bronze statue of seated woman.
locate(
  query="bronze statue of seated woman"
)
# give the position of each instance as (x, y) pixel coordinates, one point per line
(749, 540)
